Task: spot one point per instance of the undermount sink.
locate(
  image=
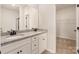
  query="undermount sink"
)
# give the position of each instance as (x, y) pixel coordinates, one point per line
(11, 37)
(19, 34)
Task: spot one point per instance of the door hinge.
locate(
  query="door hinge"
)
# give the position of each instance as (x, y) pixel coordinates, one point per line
(77, 28)
(78, 5)
(78, 51)
(0, 52)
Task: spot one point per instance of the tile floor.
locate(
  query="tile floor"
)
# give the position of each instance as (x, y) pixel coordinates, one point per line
(65, 46)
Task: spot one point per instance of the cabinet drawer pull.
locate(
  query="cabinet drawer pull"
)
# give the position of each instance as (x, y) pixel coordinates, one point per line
(34, 44)
(43, 39)
(35, 38)
(17, 52)
(20, 50)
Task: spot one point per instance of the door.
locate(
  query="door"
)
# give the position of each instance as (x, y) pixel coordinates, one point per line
(77, 28)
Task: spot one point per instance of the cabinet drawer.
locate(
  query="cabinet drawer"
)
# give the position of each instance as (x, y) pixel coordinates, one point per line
(35, 45)
(35, 39)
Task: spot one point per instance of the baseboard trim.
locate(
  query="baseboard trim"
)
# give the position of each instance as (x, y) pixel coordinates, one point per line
(65, 38)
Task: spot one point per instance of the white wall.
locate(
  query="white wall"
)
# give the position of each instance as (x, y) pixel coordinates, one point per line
(43, 16)
(66, 22)
(8, 19)
(47, 21)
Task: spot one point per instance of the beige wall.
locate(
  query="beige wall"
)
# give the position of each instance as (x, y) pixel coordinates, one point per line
(66, 22)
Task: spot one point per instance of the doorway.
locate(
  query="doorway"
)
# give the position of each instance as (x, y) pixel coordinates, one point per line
(66, 28)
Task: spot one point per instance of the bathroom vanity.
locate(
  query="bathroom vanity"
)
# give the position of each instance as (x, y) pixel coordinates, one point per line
(24, 43)
(26, 17)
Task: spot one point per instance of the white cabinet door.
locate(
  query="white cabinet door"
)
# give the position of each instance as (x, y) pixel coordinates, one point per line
(42, 42)
(15, 47)
(16, 51)
(26, 49)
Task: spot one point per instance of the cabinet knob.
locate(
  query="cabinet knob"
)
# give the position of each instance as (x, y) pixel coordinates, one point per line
(35, 38)
(17, 52)
(77, 28)
(43, 39)
(34, 44)
(20, 50)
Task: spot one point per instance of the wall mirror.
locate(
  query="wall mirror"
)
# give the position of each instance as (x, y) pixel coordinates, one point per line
(18, 17)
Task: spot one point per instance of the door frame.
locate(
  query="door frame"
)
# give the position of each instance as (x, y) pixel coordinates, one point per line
(77, 34)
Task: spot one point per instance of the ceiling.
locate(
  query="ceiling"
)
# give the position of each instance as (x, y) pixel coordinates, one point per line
(10, 6)
(61, 6)
(16, 6)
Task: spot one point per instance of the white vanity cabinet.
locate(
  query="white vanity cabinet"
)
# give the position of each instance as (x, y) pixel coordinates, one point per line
(42, 42)
(16, 51)
(39, 43)
(32, 45)
(25, 49)
(15, 47)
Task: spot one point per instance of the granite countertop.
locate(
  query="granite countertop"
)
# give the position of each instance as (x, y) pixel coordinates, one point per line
(8, 38)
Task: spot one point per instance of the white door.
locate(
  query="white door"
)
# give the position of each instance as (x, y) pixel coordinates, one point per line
(77, 27)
